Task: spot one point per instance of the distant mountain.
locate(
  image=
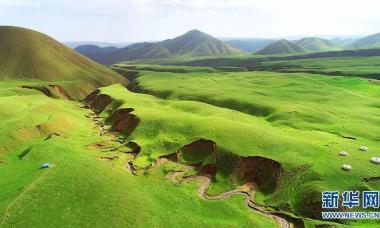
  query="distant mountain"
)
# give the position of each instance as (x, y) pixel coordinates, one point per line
(248, 44)
(95, 49)
(280, 47)
(192, 44)
(314, 44)
(372, 41)
(74, 44)
(29, 55)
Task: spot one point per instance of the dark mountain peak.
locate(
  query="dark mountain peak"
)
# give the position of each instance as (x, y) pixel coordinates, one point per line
(282, 41)
(87, 47)
(193, 34)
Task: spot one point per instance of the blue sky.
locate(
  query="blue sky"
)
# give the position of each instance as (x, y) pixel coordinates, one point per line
(137, 20)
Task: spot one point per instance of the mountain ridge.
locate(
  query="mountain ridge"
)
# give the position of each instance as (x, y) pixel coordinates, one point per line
(191, 44)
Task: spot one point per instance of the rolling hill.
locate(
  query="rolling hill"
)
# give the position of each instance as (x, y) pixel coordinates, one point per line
(314, 44)
(27, 54)
(372, 41)
(281, 47)
(248, 44)
(191, 44)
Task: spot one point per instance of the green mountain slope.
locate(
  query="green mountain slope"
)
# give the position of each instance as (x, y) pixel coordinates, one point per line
(280, 47)
(197, 43)
(27, 54)
(191, 44)
(316, 44)
(372, 41)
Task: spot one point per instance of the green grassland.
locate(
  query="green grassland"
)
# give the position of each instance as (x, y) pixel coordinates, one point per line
(361, 63)
(246, 114)
(161, 68)
(367, 67)
(300, 120)
(81, 190)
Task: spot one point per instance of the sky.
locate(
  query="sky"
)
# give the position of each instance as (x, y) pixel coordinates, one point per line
(149, 20)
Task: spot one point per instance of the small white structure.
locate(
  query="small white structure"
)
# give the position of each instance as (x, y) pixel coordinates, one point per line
(375, 160)
(363, 148)
(45, 166)
(343, 153)
(346, 167)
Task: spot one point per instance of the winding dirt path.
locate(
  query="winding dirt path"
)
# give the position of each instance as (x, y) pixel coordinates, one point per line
(246, 190)
(129, 165)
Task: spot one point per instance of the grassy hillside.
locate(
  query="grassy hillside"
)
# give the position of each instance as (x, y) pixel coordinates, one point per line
(280, 47)
(270, 120)
(161, 68)
(314, 44)
(366, 67)
(372, 41)
(246, 114)
(26, 54)
(80, 189)
(193, 43)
